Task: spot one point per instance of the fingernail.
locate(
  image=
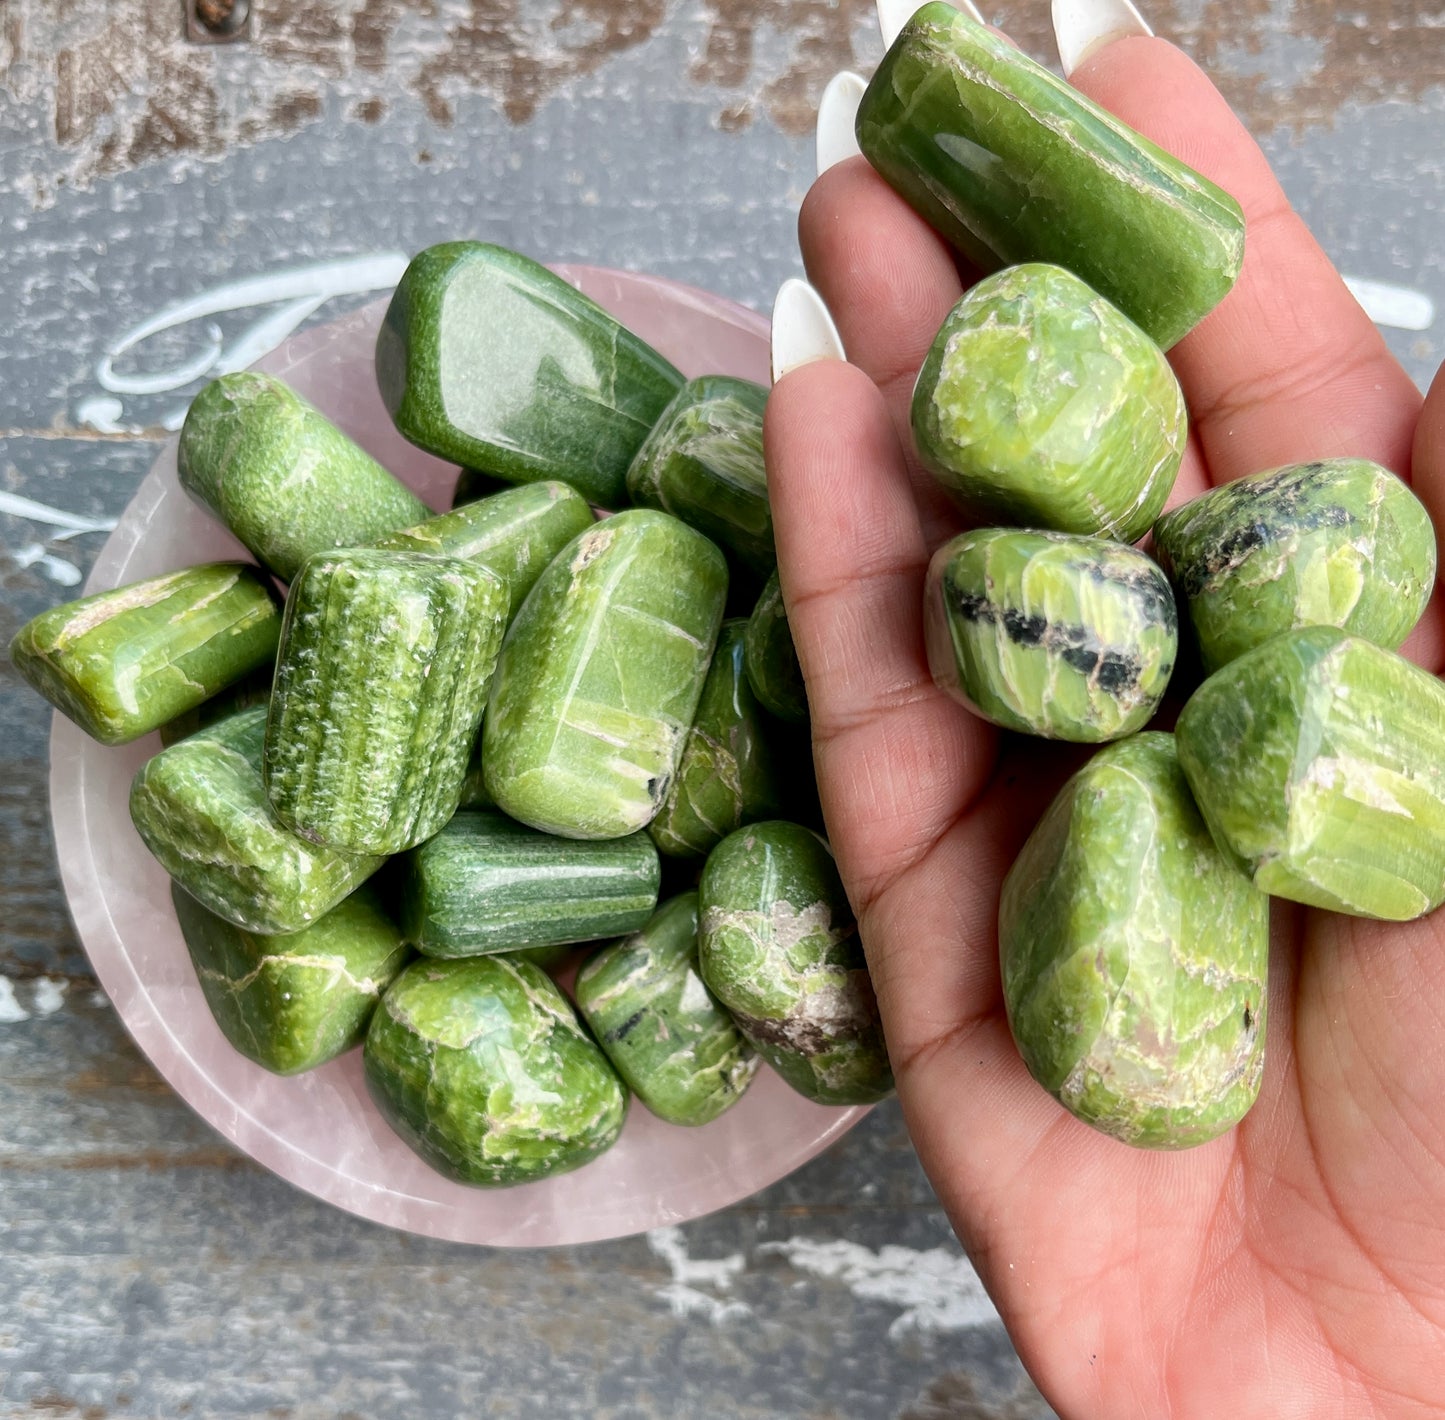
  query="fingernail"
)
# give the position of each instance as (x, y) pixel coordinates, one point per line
(1082, 26)
(803, 331)
(894, 14)
(837, 110)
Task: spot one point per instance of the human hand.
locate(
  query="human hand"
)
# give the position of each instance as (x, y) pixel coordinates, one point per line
(1296, 1266)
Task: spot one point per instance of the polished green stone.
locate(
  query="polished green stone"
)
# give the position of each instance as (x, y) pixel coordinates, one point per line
(777, 945)
(201, 808)
(1134, 955)
(482, 1067)
(1039, 405)
(1318, 759)
(122, 663)
(293, 1001)
(284, 478)
(1013, 165)
(676, 1047)
(1072, 638)
(727, 776)
(600, 676)
(703, 463)
(771, 659)
(1336, 543)
(488, 359)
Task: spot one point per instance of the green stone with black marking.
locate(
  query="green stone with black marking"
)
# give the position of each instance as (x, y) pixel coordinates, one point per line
(1318, 760)
(778, 946)
(1134, 954)
(1039, 405)
(1341, 542)
(293, 1001)
(1072, 638)
(676, 1047)
(771, 658)
(483, 1068)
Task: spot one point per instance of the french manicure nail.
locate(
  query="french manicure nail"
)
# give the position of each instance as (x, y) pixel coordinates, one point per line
(894, 14)
(803, 330)
(837, 110)
(1082, 26)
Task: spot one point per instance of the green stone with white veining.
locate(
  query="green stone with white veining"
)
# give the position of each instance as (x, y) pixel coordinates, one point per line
(1072, 638)
(293, 1001)
(727, 776)
(600, 675)
(1040, 405)
(122, 663)
(282, 476)
(673, 1044)
(482, 1067)
(1342, 542)
(703, 463)
(385, 663)
(201, 808)
(778, 946)
(771, 658)
(1134, 955)
(1013, 165)
(1318, 759)
(487, 884)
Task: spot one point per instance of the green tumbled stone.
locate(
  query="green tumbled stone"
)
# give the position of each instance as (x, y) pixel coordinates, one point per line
(771, 658)
(727, 776)
(1072, 638)
(294, 1001)
(124, 662)
(201, 808)
(678, 1050)
(777, 945)
(1039, 405)
(482, 1067)
(488, 359)
(1012, 165)
(284, 478)
(1338, 543)
(381, 680)
(486, 884)
(1134, 955)
(1318, 759)
(600, 675)
(703, 463)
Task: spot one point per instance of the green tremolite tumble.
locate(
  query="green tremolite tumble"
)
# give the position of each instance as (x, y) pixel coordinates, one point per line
(294, 1001)
(771, 658)
(482, 1067)
(488, 359)
(1013, 165)
(1072, 638)
(674, 1045)
(1039, 405)
(284, 478)
(1318, 759)
(124, 662)
(1341, 542)
(778, 946)
(1134, 955)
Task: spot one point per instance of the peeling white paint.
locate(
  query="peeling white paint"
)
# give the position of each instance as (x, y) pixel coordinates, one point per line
(49, 995)
(43, 996)
(683, 1295)
(11, 1011)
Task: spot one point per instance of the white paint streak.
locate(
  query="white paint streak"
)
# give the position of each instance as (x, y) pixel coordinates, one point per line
(46, 997)
(682, 1294)
(103, 414)
(72, 523)
(58, 569)
(1388, 304)
(11, 1011)
(49, 995)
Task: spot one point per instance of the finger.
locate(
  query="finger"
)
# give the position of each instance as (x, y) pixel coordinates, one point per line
(1426, 645)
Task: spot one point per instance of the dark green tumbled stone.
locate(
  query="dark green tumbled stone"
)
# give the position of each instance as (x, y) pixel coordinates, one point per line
(771, 659)
(1013, 165)
(1072, 638)
(474, 484)
(482, 1067)
(1341, 542)
(777, 945)
(1134, 955)
(1039, 405)
(488, 359)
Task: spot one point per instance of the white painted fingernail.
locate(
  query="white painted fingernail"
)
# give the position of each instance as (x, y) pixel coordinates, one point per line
(837, 110)
(1082, 26)
(803, 330)
(894, 14)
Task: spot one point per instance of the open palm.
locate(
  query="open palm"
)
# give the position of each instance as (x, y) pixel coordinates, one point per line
(1296, 1266)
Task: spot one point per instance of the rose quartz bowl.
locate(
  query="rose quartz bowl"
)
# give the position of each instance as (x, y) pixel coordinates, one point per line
(320, 1130)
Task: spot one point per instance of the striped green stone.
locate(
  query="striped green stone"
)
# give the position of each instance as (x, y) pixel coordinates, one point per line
(1318, 760)
(1340, 542)
(771, 658)
(1134, 955)
(1072, 638)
